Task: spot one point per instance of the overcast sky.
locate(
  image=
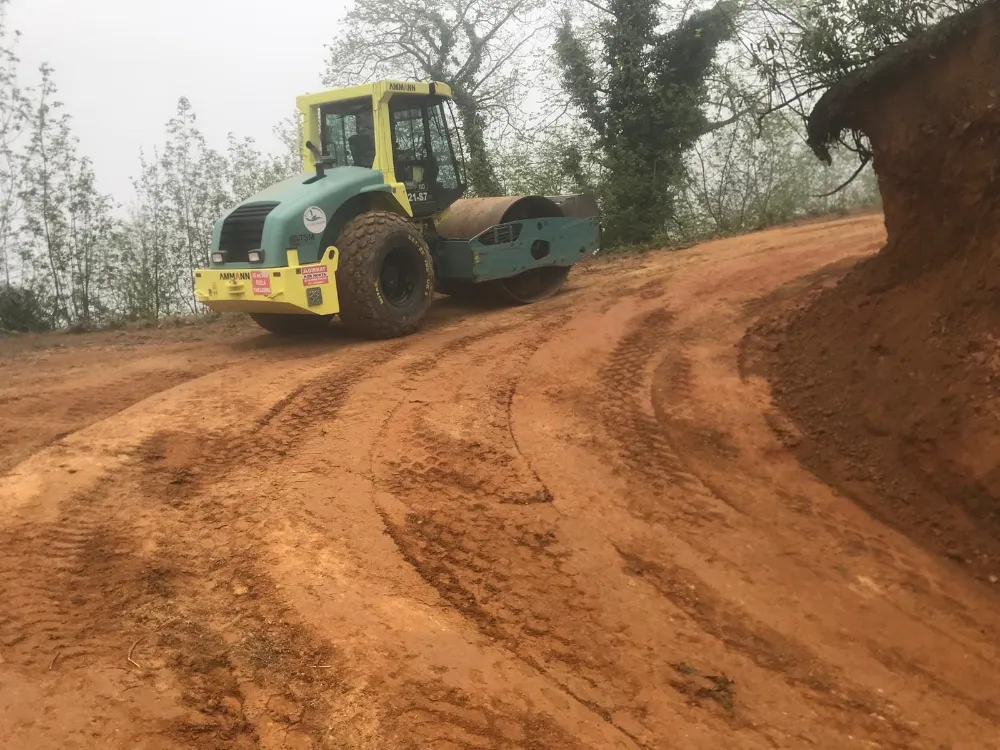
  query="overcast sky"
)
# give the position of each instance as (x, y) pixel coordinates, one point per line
(121, 65)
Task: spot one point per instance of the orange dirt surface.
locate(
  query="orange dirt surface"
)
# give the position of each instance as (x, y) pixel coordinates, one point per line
(578, 524)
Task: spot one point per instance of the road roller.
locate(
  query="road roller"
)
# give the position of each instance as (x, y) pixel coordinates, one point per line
(378, 223)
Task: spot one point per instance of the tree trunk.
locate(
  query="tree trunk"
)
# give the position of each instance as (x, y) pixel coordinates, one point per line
(482, 174)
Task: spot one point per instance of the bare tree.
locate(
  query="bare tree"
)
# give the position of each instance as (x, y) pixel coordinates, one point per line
(478, 47)
(754, 175)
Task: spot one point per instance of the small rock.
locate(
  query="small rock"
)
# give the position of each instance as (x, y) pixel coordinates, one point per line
(284, 710)
(993, 579)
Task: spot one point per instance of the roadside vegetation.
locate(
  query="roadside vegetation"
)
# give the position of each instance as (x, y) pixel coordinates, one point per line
(685, 119)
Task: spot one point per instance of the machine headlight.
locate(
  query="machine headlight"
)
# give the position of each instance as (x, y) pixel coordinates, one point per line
(218, 258)
(256, 256)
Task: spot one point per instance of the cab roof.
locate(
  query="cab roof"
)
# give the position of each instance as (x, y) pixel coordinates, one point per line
(378, 90)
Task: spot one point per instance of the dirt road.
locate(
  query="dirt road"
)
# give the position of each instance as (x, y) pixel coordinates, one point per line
(571, 525)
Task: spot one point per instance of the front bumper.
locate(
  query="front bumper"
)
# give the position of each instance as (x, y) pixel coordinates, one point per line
(294, 289)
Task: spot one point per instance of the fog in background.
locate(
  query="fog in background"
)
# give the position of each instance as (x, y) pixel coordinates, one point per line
(121, 66)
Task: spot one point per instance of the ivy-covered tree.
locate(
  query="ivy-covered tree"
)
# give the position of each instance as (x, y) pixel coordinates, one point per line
(643, 92)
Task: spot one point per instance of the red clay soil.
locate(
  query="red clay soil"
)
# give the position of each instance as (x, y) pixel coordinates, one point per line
(557, 527)
(893, 376)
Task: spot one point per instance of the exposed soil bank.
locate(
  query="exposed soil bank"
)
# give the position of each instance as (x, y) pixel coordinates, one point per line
(892, 375)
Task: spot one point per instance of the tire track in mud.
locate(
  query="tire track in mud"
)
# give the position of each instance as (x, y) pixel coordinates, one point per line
(205, 581)
(668, 493)
(196, 603)
(644, 453)
(454, 469)
(770, 650)
(43, 574)
(505, 573)
(276, 655)
(173, 472)
(179, 464)
(185, 462)
(479, 527)
(426, 364)
(436, 715)
(247, 667)
(206, 612)
(82, 406)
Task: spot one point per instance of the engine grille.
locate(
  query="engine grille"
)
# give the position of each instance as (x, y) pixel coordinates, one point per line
(502, 234)
(243, 229)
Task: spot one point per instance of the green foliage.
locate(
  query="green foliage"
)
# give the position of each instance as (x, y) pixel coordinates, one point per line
(644, 102)
(553, 162)
(802, 48)
(66, 219)
(22, 310)
(840, 36)
(194, 182)
(66, 260)
(289, 133)
(90, 225)
(180, 193)
(629, 123)
(142, 248)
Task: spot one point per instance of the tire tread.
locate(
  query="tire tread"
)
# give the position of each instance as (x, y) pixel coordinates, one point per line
(358, 245)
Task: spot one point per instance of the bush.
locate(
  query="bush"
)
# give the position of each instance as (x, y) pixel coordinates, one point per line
(21, 310)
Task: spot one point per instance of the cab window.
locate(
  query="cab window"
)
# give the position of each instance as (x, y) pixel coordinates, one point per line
(424, 155)
(410, 149)
(348, 133)
(443, 147)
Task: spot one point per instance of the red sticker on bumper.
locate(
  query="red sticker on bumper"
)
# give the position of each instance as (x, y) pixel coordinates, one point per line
(261, 282)
(313, 275)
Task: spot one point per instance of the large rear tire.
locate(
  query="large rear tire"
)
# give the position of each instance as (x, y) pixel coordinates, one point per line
(291, 325)
(385, 278)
